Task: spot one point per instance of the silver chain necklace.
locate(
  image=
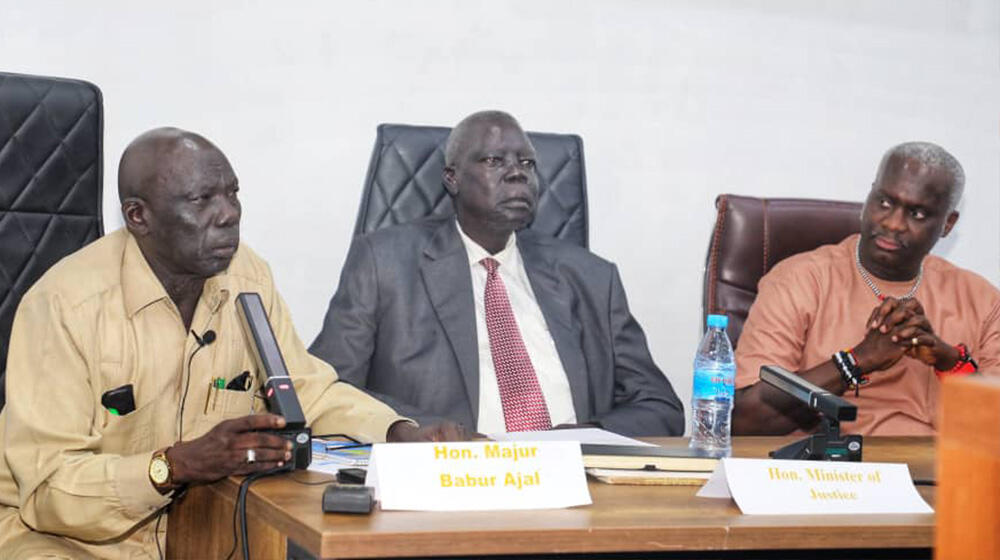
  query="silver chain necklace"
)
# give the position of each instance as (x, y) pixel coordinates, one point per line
(871, 283)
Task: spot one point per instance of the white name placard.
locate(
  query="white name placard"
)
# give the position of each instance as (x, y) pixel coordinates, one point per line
(482, 475)
(777, 487)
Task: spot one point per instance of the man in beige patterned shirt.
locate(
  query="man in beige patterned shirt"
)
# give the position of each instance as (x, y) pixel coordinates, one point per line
(133, 309)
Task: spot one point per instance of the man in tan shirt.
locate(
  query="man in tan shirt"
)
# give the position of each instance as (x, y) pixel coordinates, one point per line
(135, 308)
(897, 318)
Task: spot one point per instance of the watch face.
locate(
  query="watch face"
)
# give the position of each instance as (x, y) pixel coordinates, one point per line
(159, 471)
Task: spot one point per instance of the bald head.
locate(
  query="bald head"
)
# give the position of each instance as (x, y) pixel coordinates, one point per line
(490, 174)
(471, 127)
(908, 157)
(156, 155)
(178, 198)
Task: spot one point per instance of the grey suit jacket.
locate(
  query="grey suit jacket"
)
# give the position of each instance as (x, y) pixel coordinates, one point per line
(402, 326)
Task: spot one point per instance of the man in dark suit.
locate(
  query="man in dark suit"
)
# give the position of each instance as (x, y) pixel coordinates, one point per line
(464, 320)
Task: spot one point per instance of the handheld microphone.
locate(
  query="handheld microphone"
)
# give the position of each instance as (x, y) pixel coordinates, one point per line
(279, 390)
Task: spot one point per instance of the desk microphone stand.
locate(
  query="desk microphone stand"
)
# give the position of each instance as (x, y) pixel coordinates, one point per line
(827, 445)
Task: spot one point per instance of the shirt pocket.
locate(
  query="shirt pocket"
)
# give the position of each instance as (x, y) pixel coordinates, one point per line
(224, 404)
(232, 404)
(131, 433)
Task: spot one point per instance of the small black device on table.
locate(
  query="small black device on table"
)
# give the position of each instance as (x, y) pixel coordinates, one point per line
(348, 498)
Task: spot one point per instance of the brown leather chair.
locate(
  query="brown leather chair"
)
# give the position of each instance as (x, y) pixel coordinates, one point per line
(751, 235)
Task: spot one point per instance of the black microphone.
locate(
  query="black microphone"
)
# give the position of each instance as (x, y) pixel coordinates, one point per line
(205, 339)
(278, 389)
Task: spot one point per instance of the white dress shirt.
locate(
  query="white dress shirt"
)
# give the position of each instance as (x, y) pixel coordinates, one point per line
(534, 332)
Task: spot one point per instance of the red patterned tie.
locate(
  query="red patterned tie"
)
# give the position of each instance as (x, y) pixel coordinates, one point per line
(520, 394)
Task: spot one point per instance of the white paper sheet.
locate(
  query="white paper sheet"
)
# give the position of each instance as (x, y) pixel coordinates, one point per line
(780, 487)
(478, 476)
(582, 435)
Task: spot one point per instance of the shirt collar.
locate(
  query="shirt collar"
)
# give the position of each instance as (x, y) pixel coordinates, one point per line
(141, 288)
(217, 289)
(506, 256)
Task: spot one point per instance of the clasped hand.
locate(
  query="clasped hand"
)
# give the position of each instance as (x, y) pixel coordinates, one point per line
(897, 328)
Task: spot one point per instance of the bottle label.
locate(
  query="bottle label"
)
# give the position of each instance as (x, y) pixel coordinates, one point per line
(713, 384)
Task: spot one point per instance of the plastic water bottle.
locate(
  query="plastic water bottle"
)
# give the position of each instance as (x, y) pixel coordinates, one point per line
(712, 396)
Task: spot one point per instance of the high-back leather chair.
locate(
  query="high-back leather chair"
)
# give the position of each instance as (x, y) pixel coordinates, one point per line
(51, 173)
(404, 181)
(752, 235)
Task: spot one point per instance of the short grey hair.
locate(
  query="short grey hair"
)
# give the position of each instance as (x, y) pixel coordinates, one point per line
(461, 129)
(935, 156)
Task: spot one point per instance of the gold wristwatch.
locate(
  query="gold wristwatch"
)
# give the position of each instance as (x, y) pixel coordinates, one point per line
(159, 469)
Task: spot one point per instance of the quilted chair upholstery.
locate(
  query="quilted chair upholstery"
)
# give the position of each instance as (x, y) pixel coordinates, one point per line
(752, 235)
(51, 173)
(404, 181)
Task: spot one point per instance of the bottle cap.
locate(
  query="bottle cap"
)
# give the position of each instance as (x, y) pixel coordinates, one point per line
(720, 321)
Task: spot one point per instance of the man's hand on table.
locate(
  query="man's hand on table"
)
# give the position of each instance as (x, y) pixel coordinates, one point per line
(223, 450)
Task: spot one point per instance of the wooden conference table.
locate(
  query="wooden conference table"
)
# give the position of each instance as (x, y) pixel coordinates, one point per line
(646, 521)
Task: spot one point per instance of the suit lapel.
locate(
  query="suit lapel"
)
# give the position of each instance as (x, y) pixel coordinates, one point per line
(448, 281)
(555, 298)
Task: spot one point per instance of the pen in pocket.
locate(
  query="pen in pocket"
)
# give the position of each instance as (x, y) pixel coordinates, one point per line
(212, 399)
(217, 385)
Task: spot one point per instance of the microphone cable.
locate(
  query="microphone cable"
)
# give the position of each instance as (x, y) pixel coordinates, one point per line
(156, 532)
(240, 512)
(203, 341)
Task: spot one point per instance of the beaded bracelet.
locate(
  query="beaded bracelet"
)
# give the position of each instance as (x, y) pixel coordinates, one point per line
(847, 364)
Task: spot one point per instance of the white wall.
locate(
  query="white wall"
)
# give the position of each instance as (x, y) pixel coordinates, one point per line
(676, 102)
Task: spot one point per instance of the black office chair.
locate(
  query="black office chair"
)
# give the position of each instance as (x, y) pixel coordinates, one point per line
(51, 173)
(404, 181)
(751, 235)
